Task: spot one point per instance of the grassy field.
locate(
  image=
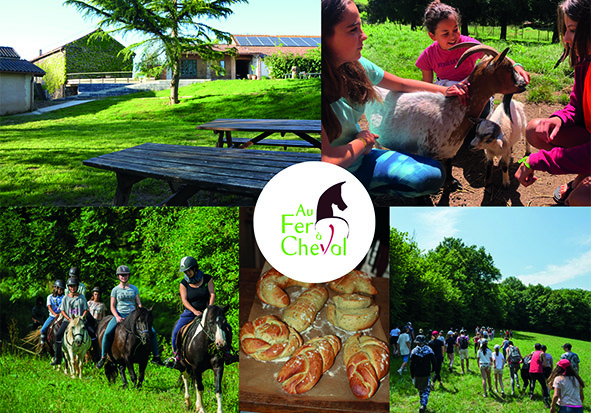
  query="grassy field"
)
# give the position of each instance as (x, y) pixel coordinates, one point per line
(41, 155)
(463, 393)
(29, 384)
(396, 48)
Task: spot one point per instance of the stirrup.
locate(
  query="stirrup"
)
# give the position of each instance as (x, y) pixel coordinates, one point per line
(171, 362)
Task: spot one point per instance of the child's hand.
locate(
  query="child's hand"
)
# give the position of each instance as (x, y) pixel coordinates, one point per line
(525, 176)
(369, 138)
(460, 90)
(523, 73)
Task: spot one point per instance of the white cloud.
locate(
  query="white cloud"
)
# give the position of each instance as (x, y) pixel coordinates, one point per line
(436, 224)
(555, 274)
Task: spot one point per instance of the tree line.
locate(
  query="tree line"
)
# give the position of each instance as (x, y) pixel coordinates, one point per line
(534, 13)
(39, 245)
(458, 285)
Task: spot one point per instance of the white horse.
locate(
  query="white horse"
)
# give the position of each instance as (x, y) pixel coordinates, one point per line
(75, 345)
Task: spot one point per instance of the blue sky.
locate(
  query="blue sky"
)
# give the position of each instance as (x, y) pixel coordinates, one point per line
(549, 246)
(28, 26)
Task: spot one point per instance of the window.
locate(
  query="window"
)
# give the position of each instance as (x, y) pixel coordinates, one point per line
(188, 68)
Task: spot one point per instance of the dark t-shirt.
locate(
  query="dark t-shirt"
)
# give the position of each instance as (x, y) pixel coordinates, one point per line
(436, 346)
(450, 341)
(198, 297)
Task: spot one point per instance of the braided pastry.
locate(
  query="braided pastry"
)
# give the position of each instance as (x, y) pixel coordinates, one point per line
(268, 338)
(352, 312)
(302, 311)
(354, 282)
(303, 370)
(367, 362)
(271, 286)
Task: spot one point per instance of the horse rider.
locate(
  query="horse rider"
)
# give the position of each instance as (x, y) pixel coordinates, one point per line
(54, 300)
(197, 292)
(73, 305)
(75, 273)
(124, 298)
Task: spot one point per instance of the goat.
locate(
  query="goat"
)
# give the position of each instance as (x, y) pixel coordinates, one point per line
(432, 125)
(497, 135)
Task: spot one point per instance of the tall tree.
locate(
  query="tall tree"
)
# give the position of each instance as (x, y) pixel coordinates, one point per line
(171, 25)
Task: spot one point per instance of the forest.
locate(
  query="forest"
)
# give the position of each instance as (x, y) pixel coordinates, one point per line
(459, 286)
(39, 245)
(538, 14)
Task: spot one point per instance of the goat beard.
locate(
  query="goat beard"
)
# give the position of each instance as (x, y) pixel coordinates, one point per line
(563, 56)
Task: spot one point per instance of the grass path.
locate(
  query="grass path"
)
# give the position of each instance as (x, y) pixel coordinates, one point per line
(463, 393)
(41, 156)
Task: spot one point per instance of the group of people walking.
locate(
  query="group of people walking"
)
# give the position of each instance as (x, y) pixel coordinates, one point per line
(196, 290)
(428, 356)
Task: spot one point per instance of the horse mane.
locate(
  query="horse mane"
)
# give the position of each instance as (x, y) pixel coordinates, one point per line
(140, 313)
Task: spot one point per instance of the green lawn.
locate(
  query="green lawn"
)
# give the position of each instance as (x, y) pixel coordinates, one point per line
(41, 155)
(463, 393)
(29, 384)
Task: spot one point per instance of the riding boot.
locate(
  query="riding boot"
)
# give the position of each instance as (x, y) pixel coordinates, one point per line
(158, 361)
(96, 355)
(58, 355)
(101, 362)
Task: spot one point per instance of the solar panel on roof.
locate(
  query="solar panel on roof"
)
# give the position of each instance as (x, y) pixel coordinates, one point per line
(287, 41)
(267, 41)
(255, 41)
(241, 40)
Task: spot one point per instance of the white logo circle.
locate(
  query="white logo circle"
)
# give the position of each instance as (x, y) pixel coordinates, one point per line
(314, 222)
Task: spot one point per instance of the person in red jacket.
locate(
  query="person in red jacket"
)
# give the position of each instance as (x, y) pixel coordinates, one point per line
(536, 373)
(565, 137)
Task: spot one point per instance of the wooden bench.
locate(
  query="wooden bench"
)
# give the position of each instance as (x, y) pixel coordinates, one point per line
(189, 169)
(285, 143)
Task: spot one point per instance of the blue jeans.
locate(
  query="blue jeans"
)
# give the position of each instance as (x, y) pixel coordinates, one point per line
(566, 409)
(397, 173)
(186, 318)
(46, 324)
(110, 334)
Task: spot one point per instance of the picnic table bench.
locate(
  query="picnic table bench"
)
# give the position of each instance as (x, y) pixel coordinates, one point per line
(189, 169)
(301, 128)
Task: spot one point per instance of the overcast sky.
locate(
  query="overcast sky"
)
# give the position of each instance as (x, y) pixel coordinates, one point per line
(549, 246)
(28, 26)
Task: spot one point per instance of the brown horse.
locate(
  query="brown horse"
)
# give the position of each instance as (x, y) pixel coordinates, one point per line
(131, 345)
(201, 351)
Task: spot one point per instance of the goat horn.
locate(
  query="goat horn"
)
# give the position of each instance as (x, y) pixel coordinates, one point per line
(476, 49)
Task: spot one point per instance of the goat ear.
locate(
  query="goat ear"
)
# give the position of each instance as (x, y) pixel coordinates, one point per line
(507, 105)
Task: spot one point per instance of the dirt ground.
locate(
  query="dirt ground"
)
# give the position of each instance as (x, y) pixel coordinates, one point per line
(469, 169)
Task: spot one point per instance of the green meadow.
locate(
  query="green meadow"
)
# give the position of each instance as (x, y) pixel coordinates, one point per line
(30, 384)
(464, 393)
(41, 155)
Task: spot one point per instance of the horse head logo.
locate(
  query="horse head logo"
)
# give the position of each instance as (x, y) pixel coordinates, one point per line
(324, 211)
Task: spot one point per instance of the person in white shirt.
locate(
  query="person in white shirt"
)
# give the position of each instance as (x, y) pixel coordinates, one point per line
(484, 359)
(404, 346)
(498, 362)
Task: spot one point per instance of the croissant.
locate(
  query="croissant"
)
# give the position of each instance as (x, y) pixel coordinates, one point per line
(354, 282)
(268, 338)
(367, 361)
(271, 285)
(352, 312)
(302, 311)
(303, 370)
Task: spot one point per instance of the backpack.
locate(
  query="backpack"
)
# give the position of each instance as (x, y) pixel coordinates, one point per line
(463, 342)
(514, 357)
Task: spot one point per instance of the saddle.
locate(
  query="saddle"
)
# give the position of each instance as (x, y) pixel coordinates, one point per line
(184, 332)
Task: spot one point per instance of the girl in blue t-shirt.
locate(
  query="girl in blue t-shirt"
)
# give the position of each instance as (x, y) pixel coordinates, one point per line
(124, 298)
(54, 301)
(347, 85)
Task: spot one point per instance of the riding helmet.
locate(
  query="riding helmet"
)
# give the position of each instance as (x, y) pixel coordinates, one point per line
(59, 284)
(187, 263)
(73, 281)
(74, 272)
(97, 289)
(123, 269)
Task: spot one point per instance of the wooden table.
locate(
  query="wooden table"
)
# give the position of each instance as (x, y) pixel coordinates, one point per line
(253, 402)
(188, 169)
(301, 128)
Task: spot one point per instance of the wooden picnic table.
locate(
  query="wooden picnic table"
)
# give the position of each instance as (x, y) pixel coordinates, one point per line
(302, 128)
(189, 169)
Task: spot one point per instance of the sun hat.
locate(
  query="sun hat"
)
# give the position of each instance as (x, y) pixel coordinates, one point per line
(564, 363)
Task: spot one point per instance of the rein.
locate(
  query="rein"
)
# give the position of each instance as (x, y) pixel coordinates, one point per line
(84, 337)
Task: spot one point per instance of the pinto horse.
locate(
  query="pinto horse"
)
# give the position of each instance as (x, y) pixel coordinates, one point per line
(200, 350)
(131, 345)
(75, 345)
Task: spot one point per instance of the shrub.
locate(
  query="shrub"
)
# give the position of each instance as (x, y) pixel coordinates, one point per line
(280, 64)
